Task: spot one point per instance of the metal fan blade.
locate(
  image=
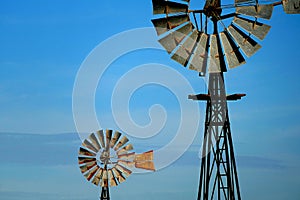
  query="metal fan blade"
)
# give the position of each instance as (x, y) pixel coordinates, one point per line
(171, 41)
(82, 160)
(123, 141)
(108, 138)
(89, 145)
(216, 63)
(232, 53)
(128, 164)
(95, 142)
(259, 11)
(147, 165)
(241, 1)
(123, 169)
(97, 177)
(199, 60)
(112, 180)
(163, 25)
(166, 7)
(146, 156)
(291, 6)
(247, 44)
(101, 138)
(85, 152)
(91, 173)
(104, 180)
(118, 175)
(88, 166)
(125, 149)
(255, 28)
(115, 139)
(183, 54)
(128, 156)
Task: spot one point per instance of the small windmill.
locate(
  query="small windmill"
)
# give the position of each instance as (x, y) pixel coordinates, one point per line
(107, 160)
(204, 41)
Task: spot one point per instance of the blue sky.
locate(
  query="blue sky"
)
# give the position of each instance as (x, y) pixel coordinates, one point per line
(43, 44)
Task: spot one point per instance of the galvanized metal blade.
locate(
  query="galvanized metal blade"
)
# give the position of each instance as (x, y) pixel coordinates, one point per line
(122, 142)
(167, 7)
(163, 25)
(233, 55)
(101, 138)
(95, 142)
(171, 41)
(291, 6)
(184, 52)
(124, 170)
(82, 160)
(91, 173)
(259, 11)
(199, 59)
(85, 152)
(89, 145)
(216, 62)
(247, 44)
(97, 177)
(255, 28)
(147, 165)
(115, 139)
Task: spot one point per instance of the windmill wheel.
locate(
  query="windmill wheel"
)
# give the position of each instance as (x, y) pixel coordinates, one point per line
(106, 160)
(184, 32)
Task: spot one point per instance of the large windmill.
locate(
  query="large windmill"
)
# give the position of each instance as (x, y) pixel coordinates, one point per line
(210, 40)
(105, 159)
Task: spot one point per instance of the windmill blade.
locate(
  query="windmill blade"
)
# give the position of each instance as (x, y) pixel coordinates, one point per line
(128, 156)
(89, 145)
(184, 52)
(166, 7)
(91, 173)
(259, 11)
(233, 55)
(108, 138)
(118, 175)
(85, 152)
(101, 138)
(146, 156)
(112, 179)
(97, 177)
(122, 142)
(247, 44)
(123, 169)
(291, 6)
(87, 166)
(216, 63)
(127, 164)
(199, 60)
(147, 165)
(171, 41)
(255, 28)
(163, 25)
(125, 149)
(104, 180)
(83, 160)
(115, 139)
(95, 142)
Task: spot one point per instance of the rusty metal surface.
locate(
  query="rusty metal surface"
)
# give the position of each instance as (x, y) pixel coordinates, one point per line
(85, 152)
(125, 149)
(91, 173)
(89, 145)
(95, 142)
(104, 180)
(163, 25)
(247, 44)
(118, 175)
(115, 139)
(123, 141)
(101, 138)
(112, 180)
(82, 160)
(123, 169)
(291, 6)
(171, 41)
(184, 52)
(233, 56)
(166, 7)
(199, 60)
(260, 11)
(255, 28)
(97, 177)
(215, 56)
(148, 165)
(108, 137)
(128, 156)
(146, 156)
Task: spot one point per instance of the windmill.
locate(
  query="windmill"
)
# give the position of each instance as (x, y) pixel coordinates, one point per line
(203, 40)
(106, 159)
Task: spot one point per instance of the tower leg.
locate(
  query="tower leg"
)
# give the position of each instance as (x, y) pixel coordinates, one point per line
(105, 193)
(218, 173)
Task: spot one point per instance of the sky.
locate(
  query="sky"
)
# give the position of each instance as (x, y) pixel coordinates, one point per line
(44, 45)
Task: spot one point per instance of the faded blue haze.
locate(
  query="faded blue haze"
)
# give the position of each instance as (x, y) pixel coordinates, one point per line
(43, 44)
